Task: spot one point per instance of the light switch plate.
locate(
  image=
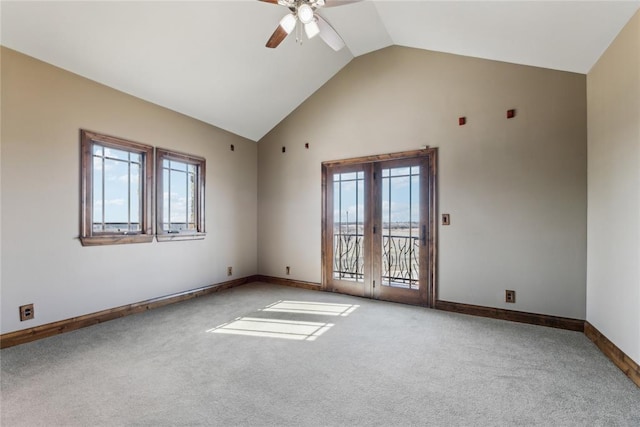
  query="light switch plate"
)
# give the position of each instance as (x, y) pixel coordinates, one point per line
(445, 219)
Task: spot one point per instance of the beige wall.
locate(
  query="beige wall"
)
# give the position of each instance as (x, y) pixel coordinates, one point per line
(43, 109)
(515, 189)
(613, 275)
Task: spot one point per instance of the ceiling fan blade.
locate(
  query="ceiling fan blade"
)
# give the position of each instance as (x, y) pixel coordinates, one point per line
(329, 35)
(333, 3)
(276, 38)
(286, 3)
(287, 24)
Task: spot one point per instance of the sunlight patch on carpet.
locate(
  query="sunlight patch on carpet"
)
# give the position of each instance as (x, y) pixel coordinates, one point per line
(273, 328)
(305, 307)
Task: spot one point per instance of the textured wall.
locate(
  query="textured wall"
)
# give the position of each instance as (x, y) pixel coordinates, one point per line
(515, 189)
(43, 109)
(613, 274)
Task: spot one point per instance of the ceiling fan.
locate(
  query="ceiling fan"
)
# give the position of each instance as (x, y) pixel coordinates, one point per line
(304, 11)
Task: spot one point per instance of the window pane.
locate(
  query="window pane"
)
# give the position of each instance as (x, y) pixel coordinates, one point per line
(178, 199)
(346, 176)
(166, 209)
(399, 171)
(135, 197)
(98, 150)
(116, 195)
(191, 200)
(179, 166)
(114, 153)
(97, 194)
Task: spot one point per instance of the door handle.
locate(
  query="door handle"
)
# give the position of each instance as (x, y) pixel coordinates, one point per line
(424, 235)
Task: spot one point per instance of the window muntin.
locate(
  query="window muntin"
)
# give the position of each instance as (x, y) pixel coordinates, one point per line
(180, 195)
(116, 190)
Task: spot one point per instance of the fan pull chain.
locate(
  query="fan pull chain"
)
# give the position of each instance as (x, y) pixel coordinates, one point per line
(299, 33)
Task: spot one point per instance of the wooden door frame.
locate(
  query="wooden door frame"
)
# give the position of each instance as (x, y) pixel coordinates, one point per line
(431, 154)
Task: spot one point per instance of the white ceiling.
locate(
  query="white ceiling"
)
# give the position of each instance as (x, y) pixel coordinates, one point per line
(207, 59)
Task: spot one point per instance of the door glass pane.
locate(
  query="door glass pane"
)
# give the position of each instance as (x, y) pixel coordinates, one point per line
(348, 226)
(401, 227)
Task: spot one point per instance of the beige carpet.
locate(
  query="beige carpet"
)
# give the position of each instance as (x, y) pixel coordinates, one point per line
(263, 355)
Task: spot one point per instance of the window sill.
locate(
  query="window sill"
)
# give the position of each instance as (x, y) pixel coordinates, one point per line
(118, 239)
(169, 237)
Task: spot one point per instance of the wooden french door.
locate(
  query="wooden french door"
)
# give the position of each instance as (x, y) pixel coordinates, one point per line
(379, 227)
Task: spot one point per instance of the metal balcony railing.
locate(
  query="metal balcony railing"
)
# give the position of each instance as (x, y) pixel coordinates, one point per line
(348, 257)
(400, 266)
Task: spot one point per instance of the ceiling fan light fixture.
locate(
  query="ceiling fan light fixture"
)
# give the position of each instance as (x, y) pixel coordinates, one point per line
(288, 23)
(314, 24)
(311, 29)
(305, 13)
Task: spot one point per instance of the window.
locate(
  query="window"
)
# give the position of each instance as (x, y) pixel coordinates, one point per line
(116, 181)
(180, 196)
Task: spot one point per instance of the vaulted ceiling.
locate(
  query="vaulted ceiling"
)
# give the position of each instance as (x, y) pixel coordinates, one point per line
(207, 59)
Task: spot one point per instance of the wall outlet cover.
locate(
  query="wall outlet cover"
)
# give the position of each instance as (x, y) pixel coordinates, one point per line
(510, 296)
(26, 312)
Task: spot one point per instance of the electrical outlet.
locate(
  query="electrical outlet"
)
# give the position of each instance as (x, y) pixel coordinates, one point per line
(229, 271)
(26, 312)
(288, 270)
(509, 296)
